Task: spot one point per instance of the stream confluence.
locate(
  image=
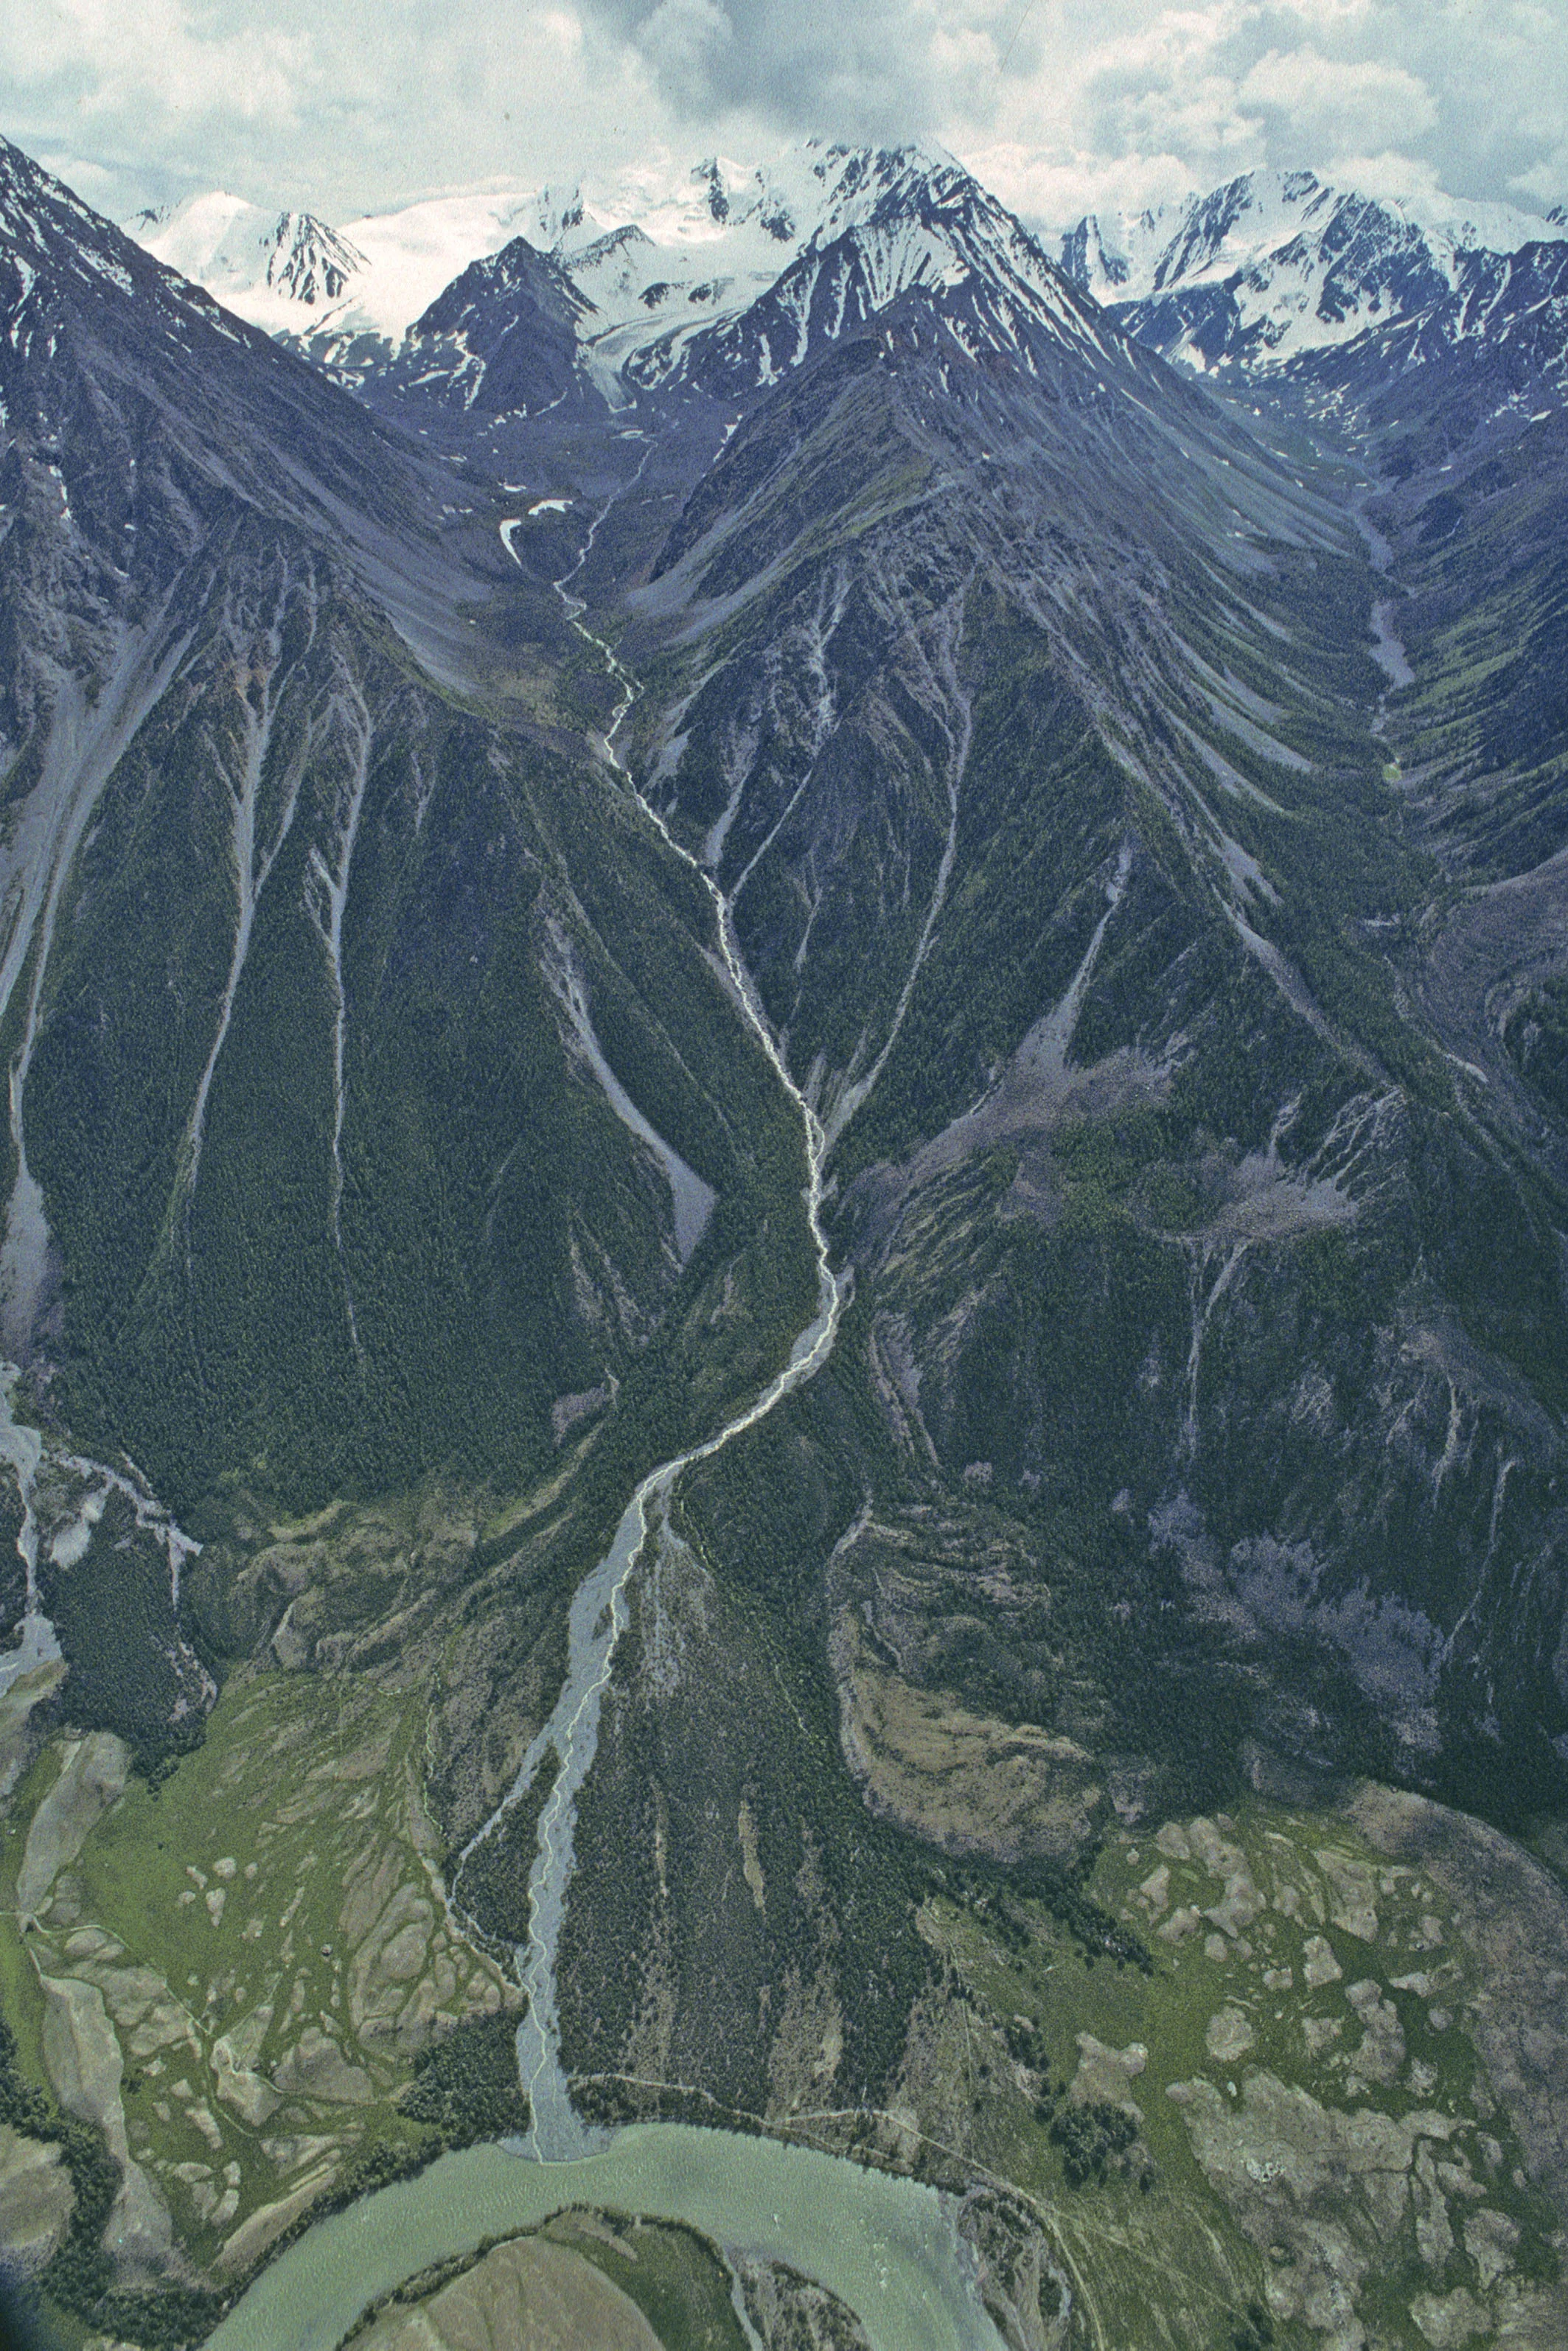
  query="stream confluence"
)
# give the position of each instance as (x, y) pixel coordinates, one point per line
(888, 2246)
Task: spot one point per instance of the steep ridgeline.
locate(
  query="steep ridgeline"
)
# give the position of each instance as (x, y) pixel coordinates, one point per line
(1427, 344)
(1414, 338)
(1485, 354)
(643, 266)
(1201, 1397)
(519, 334)
(501, 341)
(397, 1124)
(1275, 266)
(1465, 445)
(920, 224)
(1457, 417)
(1430, 349)
(337, 1016)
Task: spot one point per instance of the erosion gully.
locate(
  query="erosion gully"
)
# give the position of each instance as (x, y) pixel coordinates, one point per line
(888, 2246)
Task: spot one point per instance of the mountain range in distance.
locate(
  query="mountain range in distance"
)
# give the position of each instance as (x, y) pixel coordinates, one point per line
(787, 1157)
(1265, 268)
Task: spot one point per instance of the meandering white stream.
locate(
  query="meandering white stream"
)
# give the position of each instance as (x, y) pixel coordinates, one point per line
(325, 900)
(599, 1613)
(1387, 645)
(888, 2246)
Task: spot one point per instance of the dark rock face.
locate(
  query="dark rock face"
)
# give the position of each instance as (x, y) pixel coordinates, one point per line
(986, 636)
(994, 727)
(502, 339)
(1328, 290)
(1362, 262)
(974, 272)
(291, 1126)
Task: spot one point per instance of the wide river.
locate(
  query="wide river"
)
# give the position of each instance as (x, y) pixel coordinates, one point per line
(889, 2248)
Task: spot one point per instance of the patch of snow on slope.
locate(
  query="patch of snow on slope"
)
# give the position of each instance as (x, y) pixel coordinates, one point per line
(662, 255)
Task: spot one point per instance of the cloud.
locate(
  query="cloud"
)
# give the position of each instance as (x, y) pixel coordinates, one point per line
(854, 68)
(345, 104)
(351, 104)
(1209, 85)
(1144, 97)
(1337, 105)
(688, 44)
(114, 55)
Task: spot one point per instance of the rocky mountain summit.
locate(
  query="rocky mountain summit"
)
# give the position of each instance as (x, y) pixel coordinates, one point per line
(725, 278)
(267, 267)
(652, 261)
(1276, 265)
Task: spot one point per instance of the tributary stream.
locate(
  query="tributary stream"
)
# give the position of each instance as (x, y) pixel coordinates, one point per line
(889, 2246)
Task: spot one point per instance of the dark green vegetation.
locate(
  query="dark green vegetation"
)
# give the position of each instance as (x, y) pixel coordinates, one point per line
(1093, 2138)
(1205, 1347)
(679, 2281)
(1172, 1250)
(668, 1985)
(1204, 1381)
(134, 1671)
(1536, 1035)
(467, 2086)
(1193, 1087)
(332, 1198)
(493, 1884)
(455, 1280)
(78, 2277)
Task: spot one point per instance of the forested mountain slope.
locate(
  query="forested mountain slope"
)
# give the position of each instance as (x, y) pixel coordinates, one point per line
(1062, 690)
(443, 827)
(292, 930)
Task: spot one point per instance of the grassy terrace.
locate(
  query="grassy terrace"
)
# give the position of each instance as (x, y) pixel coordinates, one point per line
(1314, 2133)
(241, 1966)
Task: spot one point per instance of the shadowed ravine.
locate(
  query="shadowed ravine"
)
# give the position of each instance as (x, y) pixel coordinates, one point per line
(598, 1615)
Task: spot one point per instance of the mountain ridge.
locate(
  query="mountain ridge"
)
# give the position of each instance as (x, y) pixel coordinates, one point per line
(1305, 264)
(917, 812)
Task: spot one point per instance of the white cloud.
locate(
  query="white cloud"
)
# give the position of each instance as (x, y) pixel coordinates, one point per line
(354, 103)
(126, 54)
(1335, 105)
(1142, 98)
(687, 40)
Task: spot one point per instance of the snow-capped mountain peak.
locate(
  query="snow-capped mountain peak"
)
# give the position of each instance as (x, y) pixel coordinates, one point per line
(281, 270)
(310, 262)
(1275, 263)
(657, 256)
(896, 220)
(732, 289)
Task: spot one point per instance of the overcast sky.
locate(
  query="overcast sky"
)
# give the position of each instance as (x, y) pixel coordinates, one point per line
(353, 105)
